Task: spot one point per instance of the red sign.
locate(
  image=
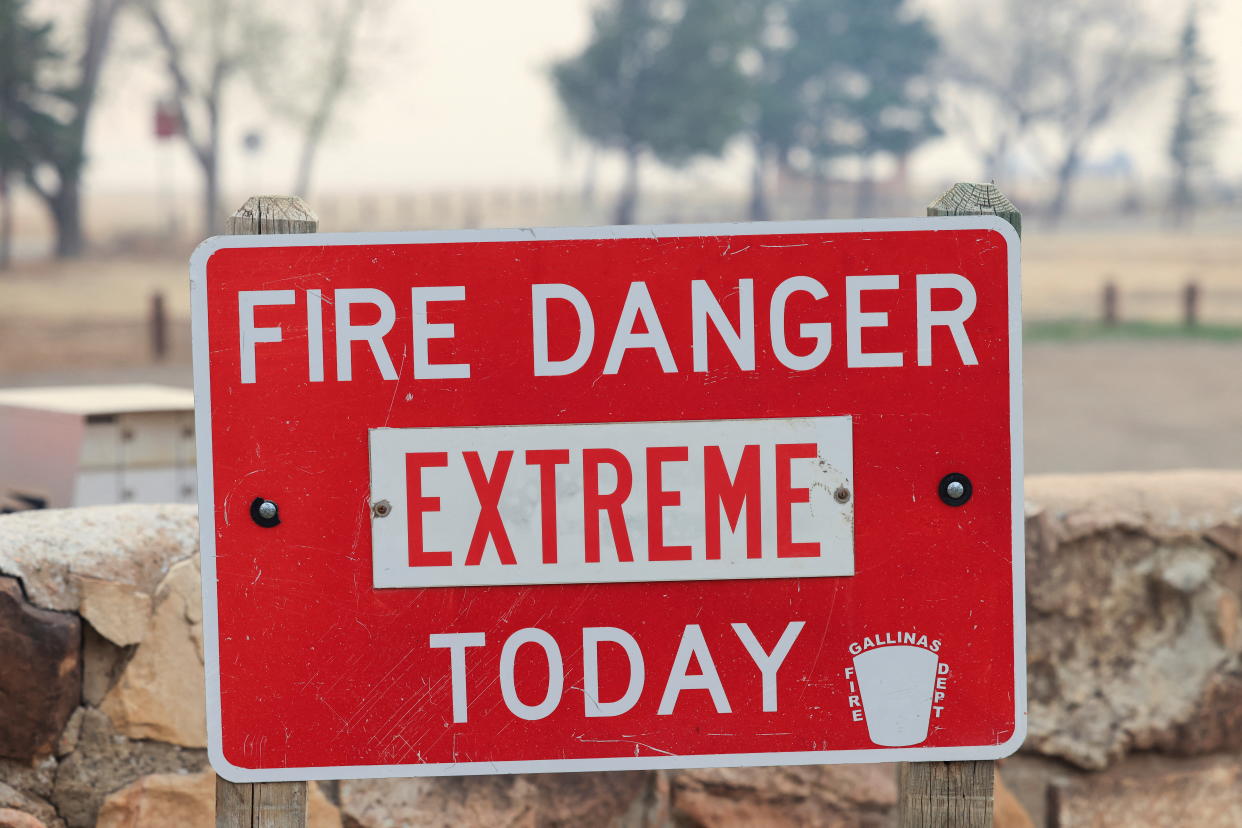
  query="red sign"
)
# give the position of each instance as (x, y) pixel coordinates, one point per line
(610, 498)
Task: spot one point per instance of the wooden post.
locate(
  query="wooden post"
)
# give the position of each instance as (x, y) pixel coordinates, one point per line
(159, 326)
(945, 794)
(265, 804)
(1190, 304)
(954, 794)
(1109, 313)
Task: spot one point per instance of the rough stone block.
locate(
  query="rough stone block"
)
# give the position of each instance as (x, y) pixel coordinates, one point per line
(160, 695)
(1202, 793)
(188, 800)
(40, 674)
(814, 795)
(118, 611)
(1132, 605)
(53, 551)
(105, 761)
(10, 818)
(537, 799)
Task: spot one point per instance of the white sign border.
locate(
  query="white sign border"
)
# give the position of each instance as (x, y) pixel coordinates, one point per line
(206, 496)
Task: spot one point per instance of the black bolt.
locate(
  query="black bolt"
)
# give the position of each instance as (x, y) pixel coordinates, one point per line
(955, 489)
(265, 512)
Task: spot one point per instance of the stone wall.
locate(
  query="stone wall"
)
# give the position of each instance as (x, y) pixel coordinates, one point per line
(1134, 603)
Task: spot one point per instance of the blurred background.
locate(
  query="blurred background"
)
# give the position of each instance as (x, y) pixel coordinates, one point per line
(129, 129)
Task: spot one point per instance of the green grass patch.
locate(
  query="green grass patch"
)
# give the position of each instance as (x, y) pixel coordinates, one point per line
(1081, 330)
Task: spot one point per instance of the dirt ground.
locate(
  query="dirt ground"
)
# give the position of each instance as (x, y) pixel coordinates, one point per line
(1090, 405)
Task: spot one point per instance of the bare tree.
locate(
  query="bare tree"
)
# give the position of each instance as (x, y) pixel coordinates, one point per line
(1045, 77)
(207, 45)
(308, 93)
(55, 127)
(1105, 62)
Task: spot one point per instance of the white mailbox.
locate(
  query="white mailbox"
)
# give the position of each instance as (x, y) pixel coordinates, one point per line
(95, 444)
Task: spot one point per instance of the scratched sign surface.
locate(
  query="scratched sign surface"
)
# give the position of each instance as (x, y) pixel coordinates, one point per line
(610, 498)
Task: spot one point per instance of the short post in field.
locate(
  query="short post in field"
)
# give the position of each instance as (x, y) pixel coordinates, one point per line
(265, 804)
(954, 794)
(158, 326)
(1109, 313)
(1190, 303)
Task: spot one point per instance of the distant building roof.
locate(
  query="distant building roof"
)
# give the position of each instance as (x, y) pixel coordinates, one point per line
(100, 399)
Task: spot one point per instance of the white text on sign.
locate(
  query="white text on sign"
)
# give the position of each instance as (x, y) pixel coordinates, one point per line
(435, 312)
(693, 669)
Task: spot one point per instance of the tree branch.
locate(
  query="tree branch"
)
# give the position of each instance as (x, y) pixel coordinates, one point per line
(184, 91)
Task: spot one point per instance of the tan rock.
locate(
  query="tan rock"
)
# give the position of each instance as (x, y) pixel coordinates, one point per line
(1133, 617)
(118, 611)
(814, 795)
(105, 761)
(10, 818)
(185, 800)
(69, 736)
(160, 694)
(188, 801)
(320, 812)
(102, 664)
(524, 800)
(1166, 503)
(1202, 793)
(1227, 620)
(1007, 811)
(12, 799)
(51, 550)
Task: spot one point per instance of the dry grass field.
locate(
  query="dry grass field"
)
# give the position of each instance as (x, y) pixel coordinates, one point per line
(1129, 401)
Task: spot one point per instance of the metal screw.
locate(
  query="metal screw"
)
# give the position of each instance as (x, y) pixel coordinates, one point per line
(955, 489)
(841, 495)
(382, 508)
(267, 510)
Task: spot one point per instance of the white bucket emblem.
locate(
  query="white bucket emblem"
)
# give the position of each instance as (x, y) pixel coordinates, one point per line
(898, 686)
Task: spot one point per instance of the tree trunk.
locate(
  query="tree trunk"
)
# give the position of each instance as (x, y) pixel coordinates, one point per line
(821, 191)
(996, 160)
(6, 220)
(865, 202)
(306, 159)
(587, 195)
(334, 84)
(1183, 201)
(628, 200)
(1066, 173)
(211, 192)
(759, 205)
(66, 208)
(901, 177)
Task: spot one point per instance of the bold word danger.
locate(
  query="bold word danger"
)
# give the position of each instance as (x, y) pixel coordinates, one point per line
(584, 329)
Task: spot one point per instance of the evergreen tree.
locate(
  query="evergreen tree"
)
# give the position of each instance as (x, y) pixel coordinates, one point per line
(25, 49)
(839, 77)
(658, 78)
(1196, 120)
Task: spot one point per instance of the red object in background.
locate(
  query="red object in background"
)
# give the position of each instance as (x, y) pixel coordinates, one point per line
(167, 120)
(314, 673)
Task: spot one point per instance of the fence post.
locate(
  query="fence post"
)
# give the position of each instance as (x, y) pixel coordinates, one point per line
(1190, 303)
(159, 326)
(265, 804)
(1109, 311)
(954, 794)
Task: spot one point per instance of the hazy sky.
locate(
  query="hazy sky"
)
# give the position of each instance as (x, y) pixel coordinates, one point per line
(455, 92)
